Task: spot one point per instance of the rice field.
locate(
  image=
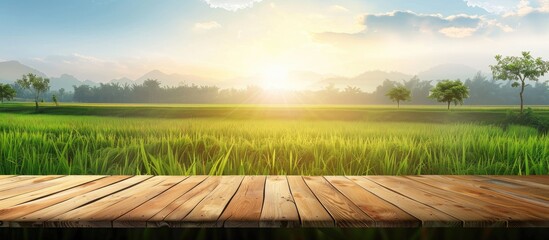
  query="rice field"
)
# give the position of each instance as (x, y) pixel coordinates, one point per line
(60, 144)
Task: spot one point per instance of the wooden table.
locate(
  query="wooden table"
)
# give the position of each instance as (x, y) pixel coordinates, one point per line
(274, 201)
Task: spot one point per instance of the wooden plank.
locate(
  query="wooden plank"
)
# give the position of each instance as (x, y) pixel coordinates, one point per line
(15, 212)
(311, 212)
(279, 209)
(519, 214)
(542, 180)
(28, 184)
(206, 213)
(136, 198)
(382, 212)
(244, 209)
(343, 211)
(514, 189)
(38, 218)
(53, 186)
(102, 212)
(172, 214)
(542, 188)
(471, 214)
(11, 182)
(430, 217)
(138, 216)
(3, 177)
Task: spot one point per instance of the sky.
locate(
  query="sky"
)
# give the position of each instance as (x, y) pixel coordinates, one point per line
(230, 39)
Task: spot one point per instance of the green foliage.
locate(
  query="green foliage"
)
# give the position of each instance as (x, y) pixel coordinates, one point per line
(37, 84)
(449, 91)
(109, 145)
(398, 94)
(528, 118)
(54, 99)
(6, 92)
(520, 69)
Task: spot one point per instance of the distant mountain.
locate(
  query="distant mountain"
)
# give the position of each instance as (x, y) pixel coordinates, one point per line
(66, 81)
(173, 80)
(123, 81)
(10, 71)
(366, 81)
(448, 71)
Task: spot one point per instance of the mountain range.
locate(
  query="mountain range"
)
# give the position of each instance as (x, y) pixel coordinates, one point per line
(12, 70)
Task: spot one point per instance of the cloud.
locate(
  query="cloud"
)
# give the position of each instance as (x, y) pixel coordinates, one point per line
(231, 5)
(456, 32)
(406, 22)
(510, 7)
(494, 6)
(338, 9)
(206, 25)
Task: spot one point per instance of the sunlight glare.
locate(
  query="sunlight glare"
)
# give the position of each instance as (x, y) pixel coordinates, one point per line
(275, 77)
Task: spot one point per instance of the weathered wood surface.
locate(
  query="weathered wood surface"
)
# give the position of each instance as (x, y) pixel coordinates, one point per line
(274, 201)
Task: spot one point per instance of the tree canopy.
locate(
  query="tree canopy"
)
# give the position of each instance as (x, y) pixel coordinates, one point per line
(521, 68)
(34, 83)
(398, 94)
(6, 92)
(449, 91)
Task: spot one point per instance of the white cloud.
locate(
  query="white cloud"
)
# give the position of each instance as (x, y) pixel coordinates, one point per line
(338, 9)
(456, 32)
(231, 5)
(495, 6)
(206, 25)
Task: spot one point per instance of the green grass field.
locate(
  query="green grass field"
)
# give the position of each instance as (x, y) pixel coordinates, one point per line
(232, 139)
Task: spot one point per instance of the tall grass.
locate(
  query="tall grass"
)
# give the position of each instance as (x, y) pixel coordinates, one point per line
(44, 144)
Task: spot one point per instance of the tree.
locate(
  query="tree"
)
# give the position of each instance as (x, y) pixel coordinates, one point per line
(6, 92)
(54, 99)
(398, 94)
(449, 91)
(523, 68)
(34, 83)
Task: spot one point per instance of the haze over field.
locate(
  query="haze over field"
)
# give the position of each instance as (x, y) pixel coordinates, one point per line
(270, 43)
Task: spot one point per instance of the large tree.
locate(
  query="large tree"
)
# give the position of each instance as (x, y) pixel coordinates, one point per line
(6, 92)
(449, 91)
(36, 84)
(398, 94)
(520, 69)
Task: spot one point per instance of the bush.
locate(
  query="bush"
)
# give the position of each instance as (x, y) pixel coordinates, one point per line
(528, 118)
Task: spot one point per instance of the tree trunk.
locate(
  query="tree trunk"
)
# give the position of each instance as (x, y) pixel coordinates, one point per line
(398, 104)
(36, 105)
(521, 97)
(448, 105)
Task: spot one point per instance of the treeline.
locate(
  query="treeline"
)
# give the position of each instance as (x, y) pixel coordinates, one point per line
(481, 91)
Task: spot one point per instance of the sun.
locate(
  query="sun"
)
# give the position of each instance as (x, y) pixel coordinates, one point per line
(275, 77)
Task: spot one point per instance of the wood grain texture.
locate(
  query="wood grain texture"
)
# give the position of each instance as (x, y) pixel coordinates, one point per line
(516, 190)
(15, 212)
(138, 216)
(450, 203)
(207, 212)
(244, 209)
(518, 214)
(26, 185)
(311, 212)
(81, 200)
(343, 211)
(182, 206)
(274, 201)
(52, 186)
(429, 216)
(382, 212)
(279, 209)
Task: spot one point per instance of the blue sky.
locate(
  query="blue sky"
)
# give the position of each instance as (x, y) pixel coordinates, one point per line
(227, 39)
